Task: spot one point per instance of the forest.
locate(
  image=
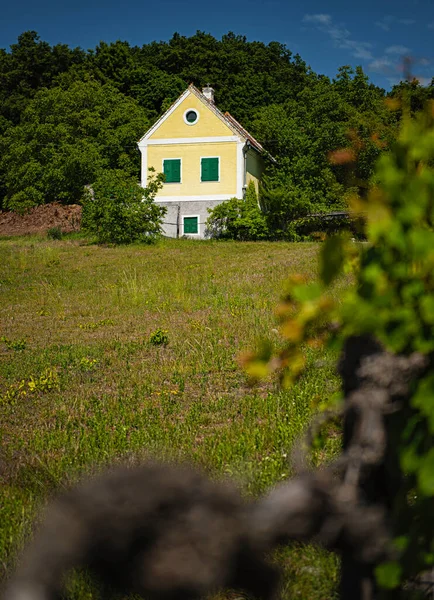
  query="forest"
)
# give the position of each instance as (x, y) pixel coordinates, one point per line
(67, 115)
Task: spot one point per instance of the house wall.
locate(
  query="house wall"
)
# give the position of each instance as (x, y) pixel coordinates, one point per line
(186, 208)
(208, 123)
(209, 136)
(254, 168)
(190, 155)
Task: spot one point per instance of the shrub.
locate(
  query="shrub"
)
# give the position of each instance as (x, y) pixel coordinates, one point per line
(282, 205)
(117, 210)
(54, 233)
(314, 226)
(17, 345)
(22, 201)
(159, 338)
(238, 219)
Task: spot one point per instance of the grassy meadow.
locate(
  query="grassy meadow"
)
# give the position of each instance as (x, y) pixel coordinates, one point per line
(84, 382)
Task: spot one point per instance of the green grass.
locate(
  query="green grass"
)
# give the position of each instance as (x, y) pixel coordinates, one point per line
(82, 383)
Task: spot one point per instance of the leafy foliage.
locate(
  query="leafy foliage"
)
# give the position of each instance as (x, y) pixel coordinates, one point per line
(118, 210)
(415, 96)
(238, 219)
(320, 225)
(17, 345)
(393, 300)
(159, 337)
(54, 233)
(30, 66)
(66, 138)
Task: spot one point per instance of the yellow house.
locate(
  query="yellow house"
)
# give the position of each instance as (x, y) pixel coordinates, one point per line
(206, 156)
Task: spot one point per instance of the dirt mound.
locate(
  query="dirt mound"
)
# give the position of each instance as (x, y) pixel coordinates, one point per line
(41, 218)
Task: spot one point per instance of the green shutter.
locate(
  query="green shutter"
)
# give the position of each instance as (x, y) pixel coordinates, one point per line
(191, 225)
(172, 170)
(210, 169)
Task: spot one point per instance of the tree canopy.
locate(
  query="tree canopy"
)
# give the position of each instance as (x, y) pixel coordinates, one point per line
(66, 137)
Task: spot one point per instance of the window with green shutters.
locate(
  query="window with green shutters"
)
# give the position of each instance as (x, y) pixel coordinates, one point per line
(209, 169)
(191, 225)
(172, 170)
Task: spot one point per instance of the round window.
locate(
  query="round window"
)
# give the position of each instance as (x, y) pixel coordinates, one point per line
(191, 116)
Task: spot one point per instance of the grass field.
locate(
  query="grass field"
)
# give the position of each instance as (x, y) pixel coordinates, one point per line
(82, 384)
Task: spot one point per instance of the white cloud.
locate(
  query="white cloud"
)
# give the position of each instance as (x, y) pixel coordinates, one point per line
(340, 35)
(385, 22)
(381, 64)
(390, 63)
(396, 66)
(359, 49)
(319, 18)
(388, 20)
(398, 50)
(382, 25)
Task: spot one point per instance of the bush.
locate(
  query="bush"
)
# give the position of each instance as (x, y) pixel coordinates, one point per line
(24, 200)
(159, 337)
(282, 205)
(119, 211)
(54, 233)
(313, 226)
(238, 219)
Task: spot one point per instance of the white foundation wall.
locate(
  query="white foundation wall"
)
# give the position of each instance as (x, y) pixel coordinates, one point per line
(176, 210)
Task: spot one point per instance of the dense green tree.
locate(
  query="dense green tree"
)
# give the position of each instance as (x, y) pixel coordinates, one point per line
(300, 134)
(412, 95)
(304, 132)
(239, 219)
(246, 75)
(31, 64)
(65, 139)
(354, 87)
(118, 211)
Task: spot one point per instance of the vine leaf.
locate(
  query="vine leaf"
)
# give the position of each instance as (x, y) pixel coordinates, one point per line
(389, 574)
(426, 474)
(332, 259)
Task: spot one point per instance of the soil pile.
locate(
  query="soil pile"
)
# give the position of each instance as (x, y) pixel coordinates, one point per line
(41, 218)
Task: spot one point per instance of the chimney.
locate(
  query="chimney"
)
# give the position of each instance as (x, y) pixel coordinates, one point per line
(208, 92)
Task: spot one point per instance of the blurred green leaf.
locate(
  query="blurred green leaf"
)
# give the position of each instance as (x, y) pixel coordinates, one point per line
(426, 474)
(388, 575)
(332, 259)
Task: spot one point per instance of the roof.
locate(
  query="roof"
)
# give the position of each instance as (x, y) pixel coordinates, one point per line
(243, 132)
(227, 118)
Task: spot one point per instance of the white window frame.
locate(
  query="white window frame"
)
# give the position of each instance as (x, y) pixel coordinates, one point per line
(200, 166)
(190, 217)
(197, 115)
(180, 170)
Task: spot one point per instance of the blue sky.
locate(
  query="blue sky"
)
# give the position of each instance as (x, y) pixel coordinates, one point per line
(374, 33)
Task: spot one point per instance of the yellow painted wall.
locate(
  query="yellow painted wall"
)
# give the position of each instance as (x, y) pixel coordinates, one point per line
(190, 156)
(254, 168)
(207, 125)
